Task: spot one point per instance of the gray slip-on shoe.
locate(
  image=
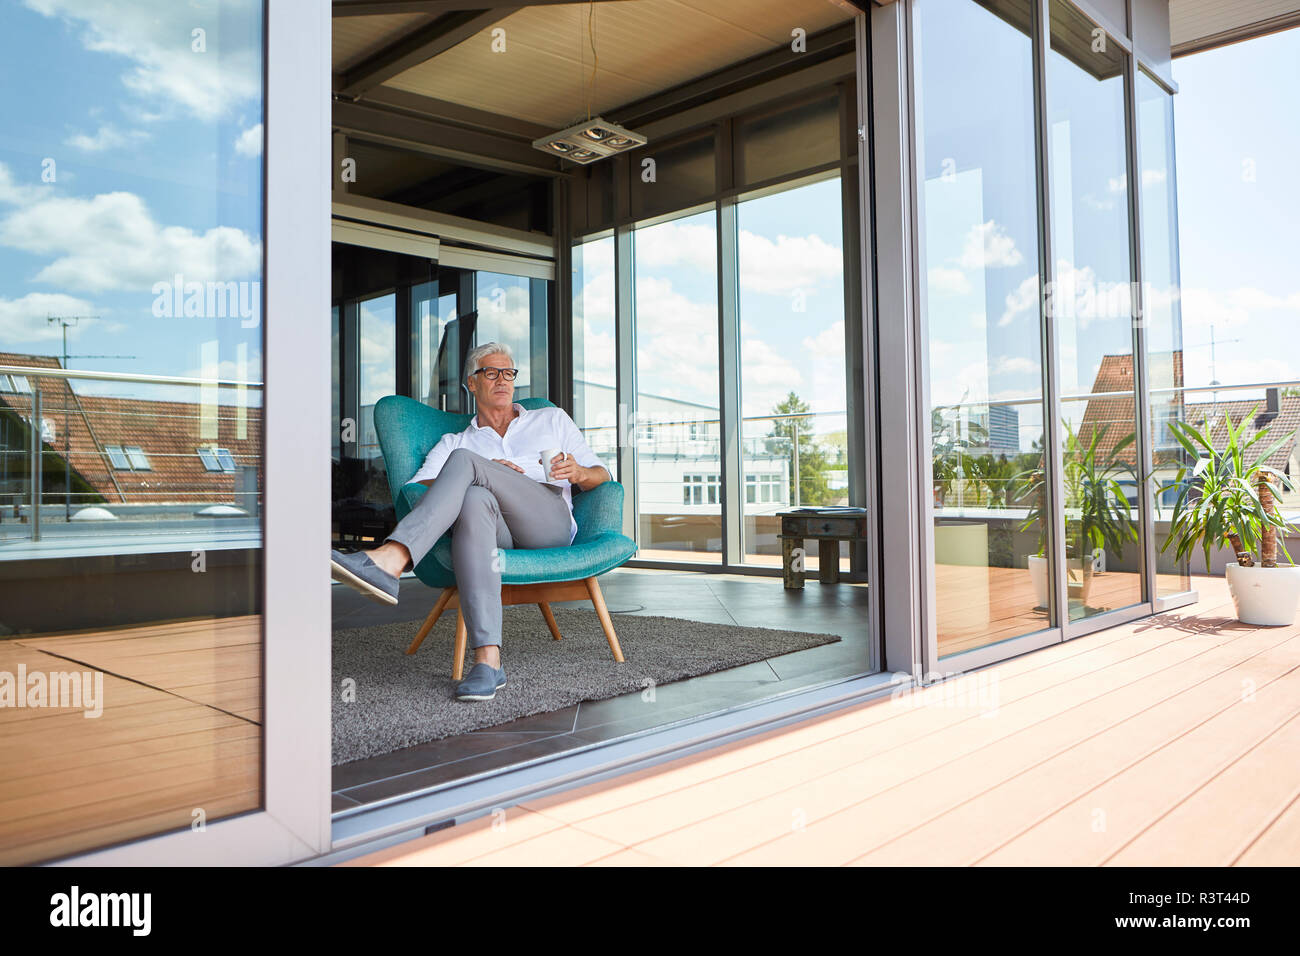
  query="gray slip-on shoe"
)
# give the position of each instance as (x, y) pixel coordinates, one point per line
(358, 571)
(481, 683)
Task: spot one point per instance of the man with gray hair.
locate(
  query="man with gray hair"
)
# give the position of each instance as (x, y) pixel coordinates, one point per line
(491, 491)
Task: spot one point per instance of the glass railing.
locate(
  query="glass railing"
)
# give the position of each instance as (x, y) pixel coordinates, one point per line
(101, 462)
(787, 461)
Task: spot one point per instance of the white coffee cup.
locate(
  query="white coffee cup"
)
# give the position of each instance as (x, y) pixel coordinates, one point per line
(547, 455)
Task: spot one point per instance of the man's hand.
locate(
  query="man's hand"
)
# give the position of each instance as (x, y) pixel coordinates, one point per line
(565, 467)
(507, 461)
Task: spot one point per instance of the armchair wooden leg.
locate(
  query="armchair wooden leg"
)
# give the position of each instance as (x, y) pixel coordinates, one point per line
(431, 620)
(462, 638)
(598, 600)
(550, 619)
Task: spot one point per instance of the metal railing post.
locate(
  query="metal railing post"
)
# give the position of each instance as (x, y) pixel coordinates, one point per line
(36, 464)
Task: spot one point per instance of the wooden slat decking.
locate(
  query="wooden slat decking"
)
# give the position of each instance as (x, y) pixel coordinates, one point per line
(179, 732)
(1167, 741)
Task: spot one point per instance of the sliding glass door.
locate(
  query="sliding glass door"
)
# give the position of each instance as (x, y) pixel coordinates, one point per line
(1047, 402)
(793, 388)
(677, 433)
(979, 257)
(1090, 306)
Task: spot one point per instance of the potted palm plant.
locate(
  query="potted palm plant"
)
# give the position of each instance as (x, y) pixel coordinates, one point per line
(1229, 497)
(1105, 522)
(1092, 489)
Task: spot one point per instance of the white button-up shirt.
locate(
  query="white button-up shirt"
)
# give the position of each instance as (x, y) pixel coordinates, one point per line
(527, 436)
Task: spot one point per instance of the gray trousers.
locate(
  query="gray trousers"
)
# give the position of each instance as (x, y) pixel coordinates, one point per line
(486, 505)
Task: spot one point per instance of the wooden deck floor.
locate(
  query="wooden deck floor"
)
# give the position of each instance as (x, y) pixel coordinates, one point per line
(1169, 741)
(180, 731)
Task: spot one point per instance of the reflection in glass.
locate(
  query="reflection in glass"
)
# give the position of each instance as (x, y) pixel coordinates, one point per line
(979, 252)
(677, 426)
(1091, 308)
(792, 374)
(131, 215)
(512, 309)
(1162, 307)
(595, 398)
(379, 297)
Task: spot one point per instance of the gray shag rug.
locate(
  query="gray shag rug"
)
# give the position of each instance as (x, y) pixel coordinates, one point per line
(401, 700)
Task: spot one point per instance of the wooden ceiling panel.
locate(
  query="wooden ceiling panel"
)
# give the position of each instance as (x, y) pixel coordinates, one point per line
(356, 38)
(642, 47)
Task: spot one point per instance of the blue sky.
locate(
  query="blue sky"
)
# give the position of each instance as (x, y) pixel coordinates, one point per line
(1236, 117)
(791, 305)
(155, 139)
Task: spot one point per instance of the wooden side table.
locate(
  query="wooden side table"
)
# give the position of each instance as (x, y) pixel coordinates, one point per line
(828, 530)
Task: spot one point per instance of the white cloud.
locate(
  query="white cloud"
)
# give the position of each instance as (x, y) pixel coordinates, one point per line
(789, 263)
(24, 320)
(768, 376)
(16, 194)
(773, 267)
(677, 244)
(945, 281)
(106, 137)
(677, 343)
(112, 242)
(1014, 365)
(249, 142)
(1022, 300)
(156, 40)
(987, 246)
(595, 302)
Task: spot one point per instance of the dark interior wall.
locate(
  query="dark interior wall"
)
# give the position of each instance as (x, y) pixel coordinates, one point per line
(117, 590)
(422, 181)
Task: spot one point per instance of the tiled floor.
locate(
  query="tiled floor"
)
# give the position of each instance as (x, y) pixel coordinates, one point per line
(1169, 741)
(728, 599)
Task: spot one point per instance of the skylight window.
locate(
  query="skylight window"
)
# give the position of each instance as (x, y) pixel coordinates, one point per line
(139, 460)
(117, 458)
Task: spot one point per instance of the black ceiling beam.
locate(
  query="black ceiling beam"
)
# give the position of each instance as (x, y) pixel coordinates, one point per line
(373, 8)
(366, 121)
(421, 44)
(827, 44)
(427, 107)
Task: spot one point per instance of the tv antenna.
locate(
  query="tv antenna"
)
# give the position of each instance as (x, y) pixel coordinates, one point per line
(66, 322)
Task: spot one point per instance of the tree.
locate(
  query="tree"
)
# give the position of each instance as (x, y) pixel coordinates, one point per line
(793, 417)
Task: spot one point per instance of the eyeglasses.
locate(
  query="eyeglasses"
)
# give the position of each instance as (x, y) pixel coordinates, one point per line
(492, 373)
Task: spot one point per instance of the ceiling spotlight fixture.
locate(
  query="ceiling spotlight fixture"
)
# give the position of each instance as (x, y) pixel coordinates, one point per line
(596, 138)
(587, 142)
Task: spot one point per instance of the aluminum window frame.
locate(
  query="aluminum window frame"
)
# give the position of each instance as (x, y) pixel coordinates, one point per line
(909, 585)
(293, 823)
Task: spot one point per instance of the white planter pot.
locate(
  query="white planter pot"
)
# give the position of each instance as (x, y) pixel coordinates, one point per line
(1038, 574)
(1267, 597)
(1079, 582)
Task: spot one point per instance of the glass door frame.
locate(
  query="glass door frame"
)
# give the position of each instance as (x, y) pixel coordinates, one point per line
(293, 822)
(907, 510)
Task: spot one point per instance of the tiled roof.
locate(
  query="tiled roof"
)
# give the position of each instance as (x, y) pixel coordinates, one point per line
(1286, 420)
(169, 432)
(1115, 412)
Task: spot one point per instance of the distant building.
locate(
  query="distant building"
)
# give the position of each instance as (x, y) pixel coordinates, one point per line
(1004, 430)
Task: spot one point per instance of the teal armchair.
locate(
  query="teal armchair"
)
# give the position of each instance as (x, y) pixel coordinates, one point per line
(407, 430)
